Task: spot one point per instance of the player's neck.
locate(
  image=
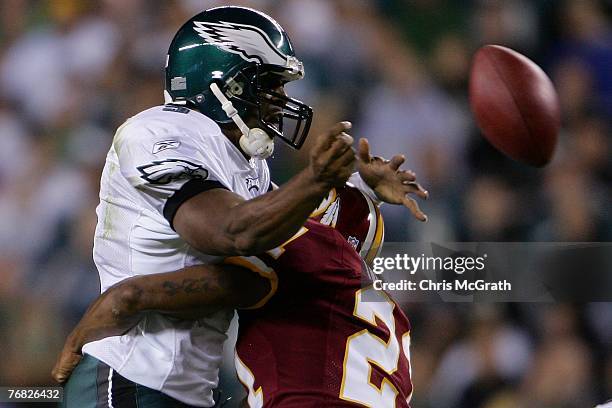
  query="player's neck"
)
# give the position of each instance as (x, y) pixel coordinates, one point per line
(233, 134)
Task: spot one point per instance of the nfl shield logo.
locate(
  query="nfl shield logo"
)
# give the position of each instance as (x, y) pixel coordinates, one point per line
(353, 241)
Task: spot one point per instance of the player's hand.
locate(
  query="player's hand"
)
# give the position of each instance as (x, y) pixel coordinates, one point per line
(66, 362)
(390, 184)
(332, 158)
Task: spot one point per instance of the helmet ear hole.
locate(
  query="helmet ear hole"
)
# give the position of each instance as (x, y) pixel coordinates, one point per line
(235, 85)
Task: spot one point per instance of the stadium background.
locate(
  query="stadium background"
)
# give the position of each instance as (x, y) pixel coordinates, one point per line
(72, 71)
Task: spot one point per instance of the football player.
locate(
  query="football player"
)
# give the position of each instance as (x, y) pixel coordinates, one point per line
(186, 184)
(325, 338)
(316, 342)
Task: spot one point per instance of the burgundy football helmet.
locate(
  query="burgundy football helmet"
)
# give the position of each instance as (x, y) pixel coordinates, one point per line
(357, 217)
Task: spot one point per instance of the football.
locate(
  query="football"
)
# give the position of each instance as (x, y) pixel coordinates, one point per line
(515, 104)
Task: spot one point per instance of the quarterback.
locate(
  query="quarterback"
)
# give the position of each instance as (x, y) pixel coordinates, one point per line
(185, 186)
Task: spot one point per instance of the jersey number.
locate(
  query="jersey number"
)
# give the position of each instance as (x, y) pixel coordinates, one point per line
(363, 349)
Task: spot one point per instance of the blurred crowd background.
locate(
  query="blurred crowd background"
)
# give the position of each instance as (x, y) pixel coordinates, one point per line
(71, 71)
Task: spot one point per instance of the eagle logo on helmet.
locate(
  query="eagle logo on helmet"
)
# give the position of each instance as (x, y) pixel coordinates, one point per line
(250, 42)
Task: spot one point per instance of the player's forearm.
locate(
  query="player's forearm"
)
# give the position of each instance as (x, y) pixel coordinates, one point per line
(219, 222)
(190, 293)
(195, 291)
(269, 220)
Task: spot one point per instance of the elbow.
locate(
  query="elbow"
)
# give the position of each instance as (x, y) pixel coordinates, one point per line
(126, 301)
(244, 236)
(246, 245)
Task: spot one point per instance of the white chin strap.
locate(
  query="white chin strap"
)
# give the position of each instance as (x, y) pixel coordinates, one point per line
(254, 142)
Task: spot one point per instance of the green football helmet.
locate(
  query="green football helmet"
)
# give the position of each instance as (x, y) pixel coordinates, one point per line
(224, 62)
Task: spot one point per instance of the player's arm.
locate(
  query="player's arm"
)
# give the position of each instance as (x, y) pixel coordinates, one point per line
(220, 222)
(190, 293)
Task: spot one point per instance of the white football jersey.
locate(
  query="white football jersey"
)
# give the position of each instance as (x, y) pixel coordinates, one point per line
(154, 155)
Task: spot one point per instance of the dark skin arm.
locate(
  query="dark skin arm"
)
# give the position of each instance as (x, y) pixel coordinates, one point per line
(190, 293)
(220, 222)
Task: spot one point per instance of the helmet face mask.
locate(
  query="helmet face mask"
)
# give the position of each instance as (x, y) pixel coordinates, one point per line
(248, 56)
(273, 111)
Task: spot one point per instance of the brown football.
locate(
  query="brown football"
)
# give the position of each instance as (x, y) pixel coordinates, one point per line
(515, 104)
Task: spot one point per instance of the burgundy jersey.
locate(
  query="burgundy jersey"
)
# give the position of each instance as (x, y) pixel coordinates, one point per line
(321, 340)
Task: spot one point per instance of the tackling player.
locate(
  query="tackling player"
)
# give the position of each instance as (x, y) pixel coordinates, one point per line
(326, 338)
